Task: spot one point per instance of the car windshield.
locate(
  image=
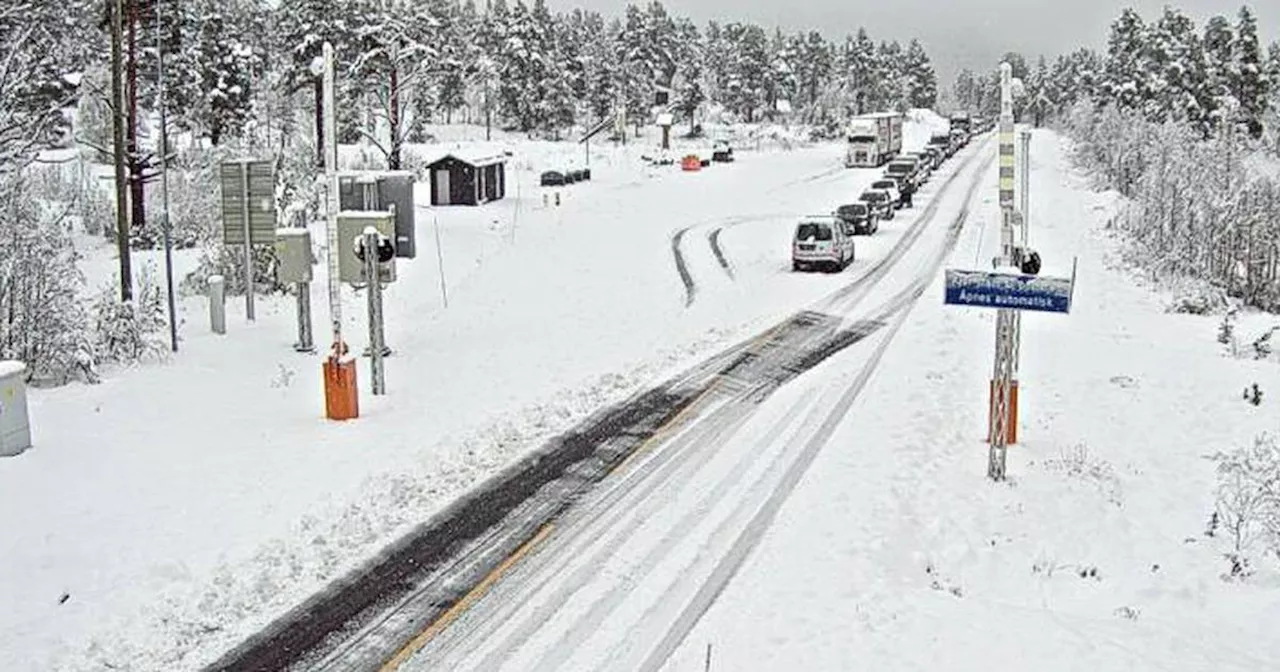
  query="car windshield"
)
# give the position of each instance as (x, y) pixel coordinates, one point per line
(860, 139)
(873, 196)
(939, 139)
(885, 184)
(813, 231)
(900, 168)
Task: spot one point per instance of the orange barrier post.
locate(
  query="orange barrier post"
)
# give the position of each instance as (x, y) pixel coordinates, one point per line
(341, 397)
(1011, 428)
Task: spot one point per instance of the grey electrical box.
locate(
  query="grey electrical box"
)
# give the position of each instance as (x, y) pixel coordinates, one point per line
(293, 250)
(15, 426)
(380, 190)
(351, 226)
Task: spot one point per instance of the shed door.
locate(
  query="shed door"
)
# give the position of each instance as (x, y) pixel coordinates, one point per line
(442, 187)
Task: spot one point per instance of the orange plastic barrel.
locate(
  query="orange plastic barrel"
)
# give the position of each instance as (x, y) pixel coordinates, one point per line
(341, 398)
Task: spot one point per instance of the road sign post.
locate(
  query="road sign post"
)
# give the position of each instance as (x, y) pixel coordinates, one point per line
(248, 212)
(1009, 293)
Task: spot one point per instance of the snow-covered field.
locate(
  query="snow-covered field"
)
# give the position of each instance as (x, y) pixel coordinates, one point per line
(895, 552)
(173, 509)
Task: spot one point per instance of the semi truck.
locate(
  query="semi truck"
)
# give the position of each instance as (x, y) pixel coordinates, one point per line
(873, 139)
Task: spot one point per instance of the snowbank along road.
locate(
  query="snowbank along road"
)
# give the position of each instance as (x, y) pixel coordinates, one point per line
(602, 549)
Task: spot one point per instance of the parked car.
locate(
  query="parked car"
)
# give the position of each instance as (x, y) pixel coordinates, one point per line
(924, 166)
(553, 178)
(879, 202)
(721, 152)
(890, 185)
(945, 142)
(569, 176)
(859, 218)
(821, 242)
(902, 169)
(936, 155)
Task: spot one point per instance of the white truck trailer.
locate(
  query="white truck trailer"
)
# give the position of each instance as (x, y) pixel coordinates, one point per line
(873, 139)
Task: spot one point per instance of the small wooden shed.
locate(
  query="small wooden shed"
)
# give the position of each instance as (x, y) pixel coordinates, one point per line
(462, 178)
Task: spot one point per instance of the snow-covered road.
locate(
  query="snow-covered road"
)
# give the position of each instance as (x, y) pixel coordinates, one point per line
(619, 581)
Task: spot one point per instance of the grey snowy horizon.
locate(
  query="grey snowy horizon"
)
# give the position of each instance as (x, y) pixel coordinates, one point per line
(957, 33)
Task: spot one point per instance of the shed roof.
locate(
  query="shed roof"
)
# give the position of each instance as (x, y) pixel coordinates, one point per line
(474, 157)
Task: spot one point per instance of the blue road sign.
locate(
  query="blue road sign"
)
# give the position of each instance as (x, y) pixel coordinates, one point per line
(1008, 290)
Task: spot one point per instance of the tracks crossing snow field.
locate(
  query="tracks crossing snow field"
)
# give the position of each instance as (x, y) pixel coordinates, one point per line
(629, 570)
(425, 582)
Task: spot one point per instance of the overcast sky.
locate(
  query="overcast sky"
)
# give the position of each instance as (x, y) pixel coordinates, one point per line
(957, 33)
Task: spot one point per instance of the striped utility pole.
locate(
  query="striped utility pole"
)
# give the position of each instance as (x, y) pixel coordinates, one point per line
(1003, 395)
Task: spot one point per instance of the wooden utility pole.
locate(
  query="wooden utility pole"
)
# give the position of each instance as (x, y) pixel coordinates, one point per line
(117, 138)
(137, 187)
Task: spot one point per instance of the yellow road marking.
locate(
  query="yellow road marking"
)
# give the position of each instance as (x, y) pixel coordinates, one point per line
(663, 432)
(448, 617)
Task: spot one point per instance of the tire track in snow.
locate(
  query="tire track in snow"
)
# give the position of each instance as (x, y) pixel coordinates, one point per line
(690, 289)
(714, 239)
(751, 535)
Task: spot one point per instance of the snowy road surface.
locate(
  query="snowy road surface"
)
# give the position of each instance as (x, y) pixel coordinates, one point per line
(619, 580)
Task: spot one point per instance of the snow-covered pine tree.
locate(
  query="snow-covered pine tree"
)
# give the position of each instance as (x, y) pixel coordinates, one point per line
(1176, 71)
(890, 81)
(211, 82)
(860, 69)
(781, 82)
(814, 63)
(922, 81)
(1250, 86)
(555, 108)
(749, 70)
(1123, 82)
(1220, 66)
(966, 90)
(600, 65)
(302, 27)
(689, 93)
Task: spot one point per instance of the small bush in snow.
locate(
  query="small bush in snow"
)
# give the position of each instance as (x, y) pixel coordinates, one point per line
(1248, 499)
(1262, 344)
(130, 331)
(1253, 394)
(42, 321)
(1227, 330)
(218, 259)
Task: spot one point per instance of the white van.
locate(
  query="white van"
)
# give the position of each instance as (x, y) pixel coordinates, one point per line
(821, 242)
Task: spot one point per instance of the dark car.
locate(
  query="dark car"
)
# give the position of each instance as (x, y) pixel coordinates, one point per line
(553, 178)
(860, 218)
(879, 201)
(721, 152)
(936, 154)
(945, 142)
(900, 169)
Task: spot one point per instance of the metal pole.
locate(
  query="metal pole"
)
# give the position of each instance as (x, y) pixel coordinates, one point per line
(331, 204)
(375, 309)
(248, 243)
(444, 294)
(305, 341)
(164, 182)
